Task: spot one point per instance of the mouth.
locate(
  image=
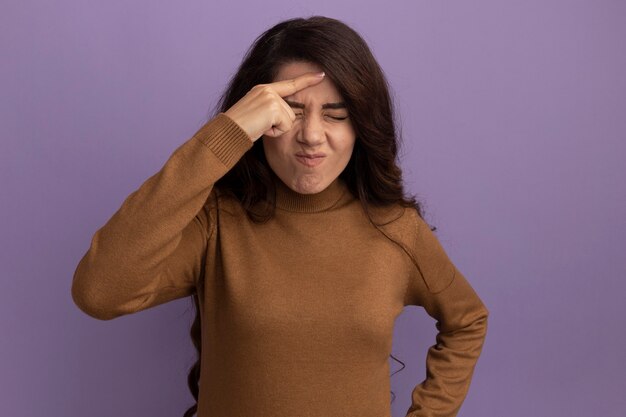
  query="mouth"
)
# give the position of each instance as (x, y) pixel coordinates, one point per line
(310, 161)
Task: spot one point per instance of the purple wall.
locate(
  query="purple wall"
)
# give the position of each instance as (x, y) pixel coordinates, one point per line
(514, 128)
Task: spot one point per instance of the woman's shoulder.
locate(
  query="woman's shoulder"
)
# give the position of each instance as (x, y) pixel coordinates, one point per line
(397, 222)
(406, 227)
(223, 200)
(395, 216)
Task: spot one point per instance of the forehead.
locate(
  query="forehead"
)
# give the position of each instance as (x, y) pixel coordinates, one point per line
(324, 90)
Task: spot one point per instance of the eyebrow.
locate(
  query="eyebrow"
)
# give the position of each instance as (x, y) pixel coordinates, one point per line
(339, 105)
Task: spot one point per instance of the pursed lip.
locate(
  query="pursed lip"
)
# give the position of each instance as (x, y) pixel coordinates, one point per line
(311, 155)
(310, 159)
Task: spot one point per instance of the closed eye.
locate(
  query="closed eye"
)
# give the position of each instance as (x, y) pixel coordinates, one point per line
(332, 117)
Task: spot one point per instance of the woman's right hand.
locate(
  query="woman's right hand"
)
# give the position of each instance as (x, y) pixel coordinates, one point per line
(262, 111)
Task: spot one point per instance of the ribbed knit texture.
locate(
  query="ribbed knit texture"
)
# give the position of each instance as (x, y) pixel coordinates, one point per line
(289, 200)
(297, 313)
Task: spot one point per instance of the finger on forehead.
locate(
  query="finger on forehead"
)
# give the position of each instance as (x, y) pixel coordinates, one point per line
(291, 86)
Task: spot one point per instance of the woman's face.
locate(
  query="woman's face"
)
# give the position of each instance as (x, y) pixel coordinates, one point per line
(316, 130)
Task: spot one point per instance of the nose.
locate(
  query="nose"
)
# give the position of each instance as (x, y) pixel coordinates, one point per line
(311, 132)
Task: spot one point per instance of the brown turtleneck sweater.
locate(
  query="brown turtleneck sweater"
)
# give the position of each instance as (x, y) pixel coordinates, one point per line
(297, 313)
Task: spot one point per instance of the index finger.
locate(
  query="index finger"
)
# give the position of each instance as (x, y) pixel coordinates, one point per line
(291, 86)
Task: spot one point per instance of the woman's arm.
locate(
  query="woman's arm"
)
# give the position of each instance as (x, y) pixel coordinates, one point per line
(461, 316)
(152, 250)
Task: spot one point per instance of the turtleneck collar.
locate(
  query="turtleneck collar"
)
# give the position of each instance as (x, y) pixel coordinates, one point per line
(290, 200)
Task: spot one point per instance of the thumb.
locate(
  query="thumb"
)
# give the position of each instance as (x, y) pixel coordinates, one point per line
(273, 132)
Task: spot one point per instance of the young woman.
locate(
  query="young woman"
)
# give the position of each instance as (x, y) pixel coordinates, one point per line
(284, 217)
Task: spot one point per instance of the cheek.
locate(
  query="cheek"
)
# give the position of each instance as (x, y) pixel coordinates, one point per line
(346, 149)
(347, 139)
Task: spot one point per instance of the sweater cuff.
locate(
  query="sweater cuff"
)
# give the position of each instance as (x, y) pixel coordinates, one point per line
(225, 138)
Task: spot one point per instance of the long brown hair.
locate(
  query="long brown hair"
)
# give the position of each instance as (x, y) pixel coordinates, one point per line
(372, 174)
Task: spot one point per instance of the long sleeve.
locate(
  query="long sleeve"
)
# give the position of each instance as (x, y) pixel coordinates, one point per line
(461, 316)
(152, 250)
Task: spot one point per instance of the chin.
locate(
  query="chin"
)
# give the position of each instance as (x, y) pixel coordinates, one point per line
(309, 190)
(307, 185)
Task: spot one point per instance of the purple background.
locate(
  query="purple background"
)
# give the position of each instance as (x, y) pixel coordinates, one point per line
(513, 116)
